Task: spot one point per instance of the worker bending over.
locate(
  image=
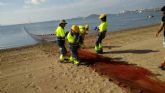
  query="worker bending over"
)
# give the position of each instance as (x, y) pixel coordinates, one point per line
(83, 31)
(73, 39)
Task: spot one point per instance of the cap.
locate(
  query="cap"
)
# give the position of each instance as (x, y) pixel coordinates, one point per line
(63, 22)
(102, 16)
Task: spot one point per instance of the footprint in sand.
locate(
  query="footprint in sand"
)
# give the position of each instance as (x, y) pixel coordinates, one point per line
(1, 89)
(64, 74)
(4, 87)
(29, 84)
(66, 90)
(76, 92)
(53, 77)
(52, 69)
(30, 76)
(34, 86)
(55, 87)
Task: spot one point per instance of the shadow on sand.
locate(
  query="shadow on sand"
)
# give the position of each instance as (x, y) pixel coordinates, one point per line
(131, 51)
(109, 47)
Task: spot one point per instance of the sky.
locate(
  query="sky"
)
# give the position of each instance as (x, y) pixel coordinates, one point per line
(23, 11)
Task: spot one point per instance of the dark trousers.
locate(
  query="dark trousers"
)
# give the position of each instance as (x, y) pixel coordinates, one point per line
(81, 39)
(61, 44)
(100, 37)
(74, 51)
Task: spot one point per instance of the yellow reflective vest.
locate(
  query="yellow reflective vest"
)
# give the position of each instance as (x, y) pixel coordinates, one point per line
(72, 38)
(60, 32)
(103, 26)
(82, 29)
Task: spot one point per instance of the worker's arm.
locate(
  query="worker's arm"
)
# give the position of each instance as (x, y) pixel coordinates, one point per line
(66, 33)
(77, 37)
(160, 28)
(96, 28)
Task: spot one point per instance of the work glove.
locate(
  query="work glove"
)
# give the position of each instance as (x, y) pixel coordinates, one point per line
(96, 28)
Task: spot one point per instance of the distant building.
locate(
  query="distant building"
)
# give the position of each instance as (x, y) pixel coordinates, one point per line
(140, 10)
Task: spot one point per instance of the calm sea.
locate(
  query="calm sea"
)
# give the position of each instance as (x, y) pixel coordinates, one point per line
(14, 35)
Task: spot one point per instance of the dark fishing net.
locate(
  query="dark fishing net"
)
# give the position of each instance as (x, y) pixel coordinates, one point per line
(132, 77)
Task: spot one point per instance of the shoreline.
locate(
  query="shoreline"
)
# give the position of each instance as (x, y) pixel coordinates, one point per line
(141, 27)
(93, 34)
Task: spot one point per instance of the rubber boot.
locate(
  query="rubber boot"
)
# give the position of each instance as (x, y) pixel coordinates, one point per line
(62, 58)
(100, 48)
(76, 62)
(97, 49)
(71, 59)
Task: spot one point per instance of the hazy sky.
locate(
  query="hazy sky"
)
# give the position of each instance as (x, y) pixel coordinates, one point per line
(21, 11)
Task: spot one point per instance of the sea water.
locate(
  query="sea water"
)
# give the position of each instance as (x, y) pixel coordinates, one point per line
(12, 36)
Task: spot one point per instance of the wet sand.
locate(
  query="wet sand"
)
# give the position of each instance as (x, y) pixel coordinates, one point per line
(35, 69)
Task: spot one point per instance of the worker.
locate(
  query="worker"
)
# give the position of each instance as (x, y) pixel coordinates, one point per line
(60, 34)
(102, 28)
(161, 28)
(87, 29)
(83, 31)
(82, 34)
(73, 39)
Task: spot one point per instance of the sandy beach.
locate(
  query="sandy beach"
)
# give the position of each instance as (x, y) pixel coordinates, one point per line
(35, 69)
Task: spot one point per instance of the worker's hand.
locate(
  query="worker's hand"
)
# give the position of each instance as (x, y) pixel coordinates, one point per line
(96, 28)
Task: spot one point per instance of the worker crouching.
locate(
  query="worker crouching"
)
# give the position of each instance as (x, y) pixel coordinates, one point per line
(73, 39)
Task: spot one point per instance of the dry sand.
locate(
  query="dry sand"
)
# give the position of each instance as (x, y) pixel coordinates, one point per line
(35, 69)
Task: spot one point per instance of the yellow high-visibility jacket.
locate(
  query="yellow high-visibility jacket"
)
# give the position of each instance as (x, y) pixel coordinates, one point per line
(60, 32)
(82, 29)
(103, 26)
(72, 38)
